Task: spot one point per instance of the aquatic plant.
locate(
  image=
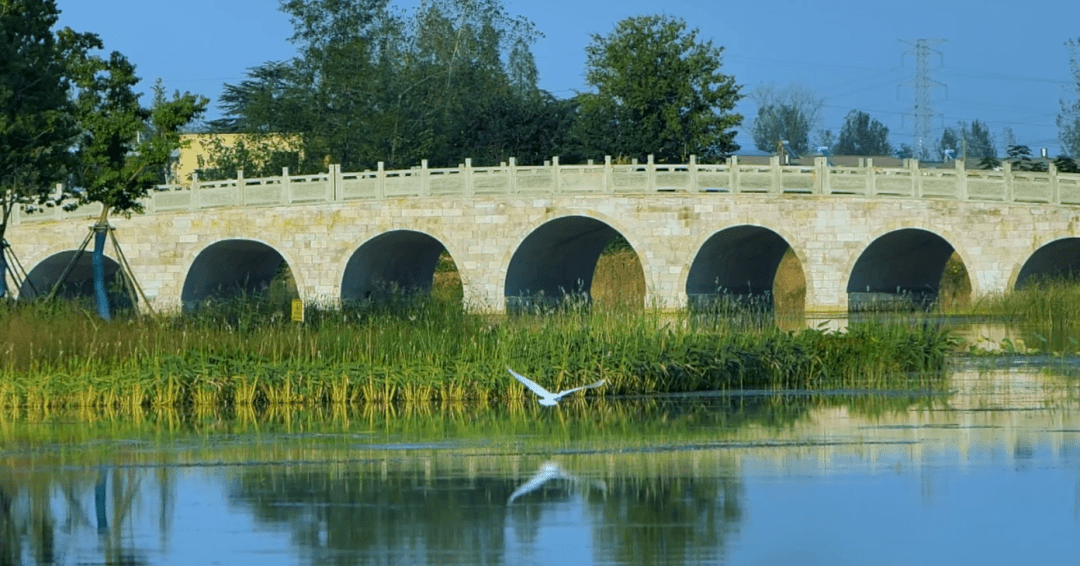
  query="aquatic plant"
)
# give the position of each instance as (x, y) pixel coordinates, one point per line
(429, 349)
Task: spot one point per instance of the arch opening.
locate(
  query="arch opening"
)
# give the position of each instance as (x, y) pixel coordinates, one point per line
(557, 264)
(398, 265)
(238, 269)
(79, 283)
(1059, 259)
(902, 271)
(746, 268)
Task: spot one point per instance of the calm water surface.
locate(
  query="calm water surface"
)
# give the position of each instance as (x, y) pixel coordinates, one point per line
(985, 473)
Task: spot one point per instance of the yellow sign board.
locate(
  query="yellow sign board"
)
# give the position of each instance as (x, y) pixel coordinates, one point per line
(297, 310)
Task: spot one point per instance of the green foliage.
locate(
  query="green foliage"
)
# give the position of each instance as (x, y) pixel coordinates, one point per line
(1019, 157)
(950, 141)
(978, 140)
(36, 123)
(968, 141)
(1068, 120)
(1065, 164)
(658, 90)
(863, 135)
(786, 115)
(435, 350)
(453, 79)
(123, 147)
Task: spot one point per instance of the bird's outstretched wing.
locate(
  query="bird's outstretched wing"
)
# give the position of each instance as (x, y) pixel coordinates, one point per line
(547, 473)
(535, 387)
(589, 386)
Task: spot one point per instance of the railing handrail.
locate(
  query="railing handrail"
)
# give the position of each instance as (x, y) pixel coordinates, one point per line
(732, 176)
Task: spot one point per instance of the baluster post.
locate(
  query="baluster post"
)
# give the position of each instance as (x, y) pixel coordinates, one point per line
(821, 176)
(916, 178)
(424, 191)
(733, 173)
(470, 187)
(1055, 189)
(692, 167)
(511, 169)
(650, 174)
(776, 184)
(380, 181)
(871, 180)
(1006, 170)
(961, 179)
(239, 187)
(286, 186)
(609, 182)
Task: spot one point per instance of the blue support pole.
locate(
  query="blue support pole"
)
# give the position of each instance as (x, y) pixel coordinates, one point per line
(3, 269)
(101, 229)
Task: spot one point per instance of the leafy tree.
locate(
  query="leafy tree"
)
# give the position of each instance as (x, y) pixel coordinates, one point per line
(863, 135)
(1020, 159)
(369, 85)
(968, 141)
(659, 90)
(949, 142)
(826, 140)
(122, 147)
(1008, 138)
(36, 125)
(787, 115)
(978, 141)
(1066, 164)
(1068, 120)
(267, 101)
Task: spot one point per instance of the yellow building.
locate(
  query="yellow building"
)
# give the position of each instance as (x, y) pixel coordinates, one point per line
(202, 151)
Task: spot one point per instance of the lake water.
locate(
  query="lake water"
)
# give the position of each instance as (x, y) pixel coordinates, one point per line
(986, 473)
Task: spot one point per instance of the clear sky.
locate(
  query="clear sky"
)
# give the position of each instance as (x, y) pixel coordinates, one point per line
(1004, 63)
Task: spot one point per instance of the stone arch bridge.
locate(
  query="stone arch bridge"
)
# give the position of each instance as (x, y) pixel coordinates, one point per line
(516, 231)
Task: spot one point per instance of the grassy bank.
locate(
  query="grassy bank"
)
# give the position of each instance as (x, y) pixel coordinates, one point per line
(60, 355)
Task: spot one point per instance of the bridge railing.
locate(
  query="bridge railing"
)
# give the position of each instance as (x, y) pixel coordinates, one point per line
(553, 178)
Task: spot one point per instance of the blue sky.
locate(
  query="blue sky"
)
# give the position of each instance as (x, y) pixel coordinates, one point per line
(1004, 63)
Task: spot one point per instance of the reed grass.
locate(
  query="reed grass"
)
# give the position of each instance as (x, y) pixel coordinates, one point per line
(426, 349)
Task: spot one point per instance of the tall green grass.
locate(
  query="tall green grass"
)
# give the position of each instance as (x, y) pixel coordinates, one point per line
(424, 349)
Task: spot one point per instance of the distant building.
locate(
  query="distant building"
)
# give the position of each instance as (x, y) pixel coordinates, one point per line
(198, 151)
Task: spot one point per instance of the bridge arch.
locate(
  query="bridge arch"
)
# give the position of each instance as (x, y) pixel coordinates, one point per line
(558, 258)
(1057, 258)
(391, 262)
(79, 282)
(237, 267)
(742, 262)
(900, 268)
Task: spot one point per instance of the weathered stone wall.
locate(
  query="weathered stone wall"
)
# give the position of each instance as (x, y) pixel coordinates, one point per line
(827, 233)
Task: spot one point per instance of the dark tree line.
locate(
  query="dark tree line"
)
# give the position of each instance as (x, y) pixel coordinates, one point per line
(456, 79)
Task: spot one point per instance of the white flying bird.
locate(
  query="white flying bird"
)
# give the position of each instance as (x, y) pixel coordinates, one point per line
(547, 398)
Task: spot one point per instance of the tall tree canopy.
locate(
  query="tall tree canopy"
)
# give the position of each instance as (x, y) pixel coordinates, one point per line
(863, 135)
(450, 80)
(659, 90)
(968, 141)
(122, 147)
(1068, 120)
(36, 122)
(787, 115)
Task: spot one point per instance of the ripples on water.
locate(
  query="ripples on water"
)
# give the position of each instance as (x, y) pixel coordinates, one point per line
(988, 473)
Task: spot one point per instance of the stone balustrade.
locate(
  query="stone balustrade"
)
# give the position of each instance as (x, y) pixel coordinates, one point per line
(553, 178)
